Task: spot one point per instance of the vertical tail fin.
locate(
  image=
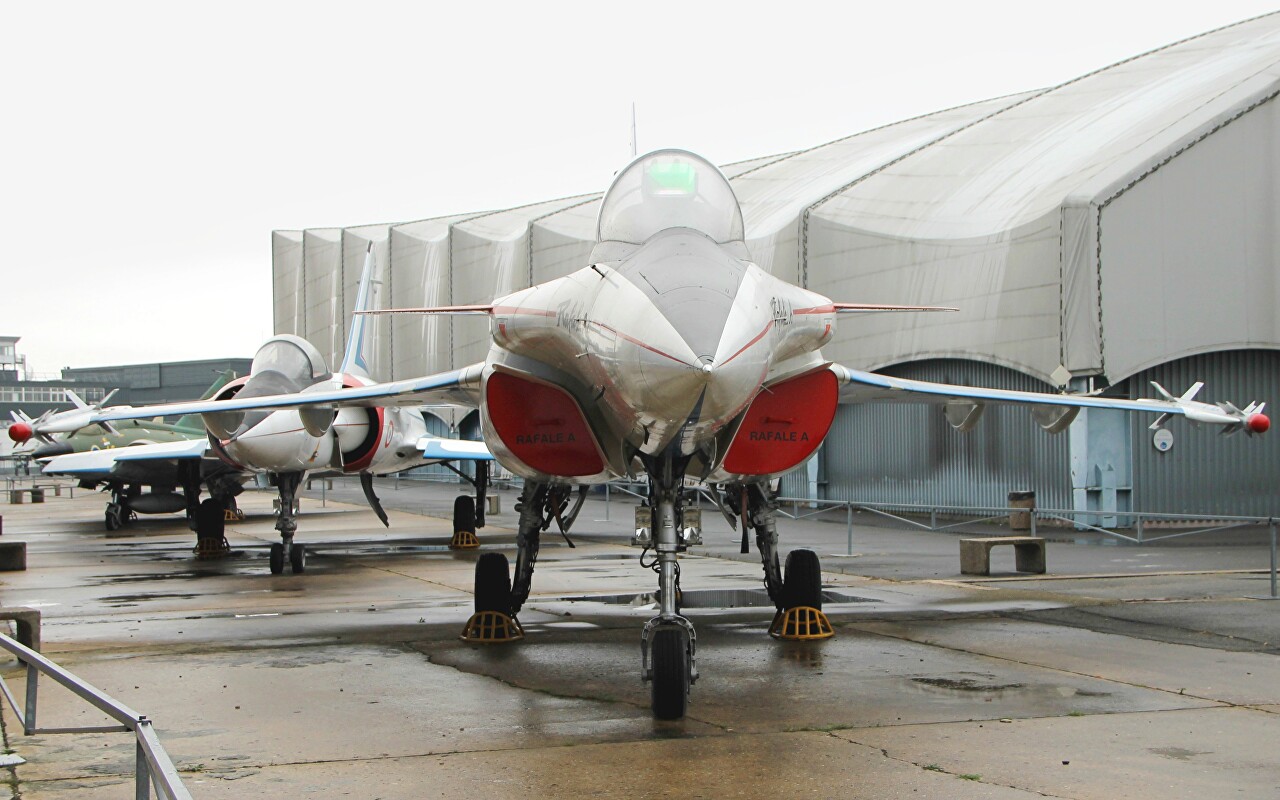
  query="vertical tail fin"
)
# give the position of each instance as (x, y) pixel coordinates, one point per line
(354, 360)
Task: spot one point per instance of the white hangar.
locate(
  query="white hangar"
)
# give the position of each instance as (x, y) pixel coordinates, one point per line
(1117, 228)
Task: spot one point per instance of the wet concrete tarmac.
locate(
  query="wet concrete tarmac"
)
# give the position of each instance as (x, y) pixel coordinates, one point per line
(350, 679)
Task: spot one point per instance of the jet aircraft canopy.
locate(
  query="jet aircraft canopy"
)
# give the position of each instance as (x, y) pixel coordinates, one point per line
(291, 356)
(669, 189)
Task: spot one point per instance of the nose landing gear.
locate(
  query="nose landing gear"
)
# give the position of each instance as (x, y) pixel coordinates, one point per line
(286, 550)
(668, 644)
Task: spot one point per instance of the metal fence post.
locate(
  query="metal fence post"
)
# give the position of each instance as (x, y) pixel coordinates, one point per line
(933, 519)
(1273, 558)
(1138, 526)
(607, 502)
(33, 686)
(849, 529)
(141, 773)
(1033, 522)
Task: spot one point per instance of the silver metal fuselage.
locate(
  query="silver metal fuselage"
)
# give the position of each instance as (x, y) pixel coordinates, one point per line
(663, 349)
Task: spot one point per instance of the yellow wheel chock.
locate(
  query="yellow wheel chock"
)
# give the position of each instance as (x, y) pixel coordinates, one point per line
(212, 547)
(464, 540)
(233, 515)
(802, 623)
(492, 627)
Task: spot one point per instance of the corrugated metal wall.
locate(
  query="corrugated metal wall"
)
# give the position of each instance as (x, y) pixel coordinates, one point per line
(1205, 472)
(907, 453)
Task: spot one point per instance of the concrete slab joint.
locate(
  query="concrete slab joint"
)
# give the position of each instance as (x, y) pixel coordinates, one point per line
(1029, 554)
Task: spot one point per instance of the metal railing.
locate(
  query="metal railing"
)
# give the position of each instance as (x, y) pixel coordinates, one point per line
(975, 514)
(152, 765)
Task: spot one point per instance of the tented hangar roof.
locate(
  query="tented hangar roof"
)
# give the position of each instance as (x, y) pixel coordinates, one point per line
(1116, 221)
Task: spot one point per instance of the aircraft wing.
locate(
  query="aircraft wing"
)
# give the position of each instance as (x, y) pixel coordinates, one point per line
(436, 449)
(963, 404)
(457, 387)
(101, 462)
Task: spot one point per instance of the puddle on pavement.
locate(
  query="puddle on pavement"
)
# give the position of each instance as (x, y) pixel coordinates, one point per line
(128, 600)
(991, 687)
(711, 598)
(967, 684)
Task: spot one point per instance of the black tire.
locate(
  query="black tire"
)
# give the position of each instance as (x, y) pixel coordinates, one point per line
(277, 558)
(211, 520)
(114, 519)
(669, 655)
(298, 559)
(464, 514)
(802, 581)
(493, 583)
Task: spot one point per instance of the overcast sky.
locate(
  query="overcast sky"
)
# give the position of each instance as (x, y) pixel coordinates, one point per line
(150, 148)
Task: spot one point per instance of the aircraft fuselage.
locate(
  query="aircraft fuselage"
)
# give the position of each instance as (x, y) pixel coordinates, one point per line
(663, 351)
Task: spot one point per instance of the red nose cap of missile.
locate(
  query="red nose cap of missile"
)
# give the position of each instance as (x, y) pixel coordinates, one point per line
(1259, 423)
(20, 432)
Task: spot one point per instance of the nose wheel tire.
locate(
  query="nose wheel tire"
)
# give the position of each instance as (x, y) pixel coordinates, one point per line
(297, 559)
(277, 559)
(115, 517)
(670, 685)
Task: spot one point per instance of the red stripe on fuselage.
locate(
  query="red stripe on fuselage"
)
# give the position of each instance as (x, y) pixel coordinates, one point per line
(639, 343)
(747, 346)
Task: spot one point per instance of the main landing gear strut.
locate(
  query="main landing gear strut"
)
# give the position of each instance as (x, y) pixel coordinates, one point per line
(468, 513)
(798, 598)
(286, 551)
(500, 596)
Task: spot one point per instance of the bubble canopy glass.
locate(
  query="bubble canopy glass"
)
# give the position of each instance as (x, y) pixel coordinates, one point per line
(291, 356)
(669, 189)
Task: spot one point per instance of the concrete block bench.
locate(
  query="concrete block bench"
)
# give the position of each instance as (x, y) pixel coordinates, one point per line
(13, 556)
(15, 495)
(27, 621)
(975, 554)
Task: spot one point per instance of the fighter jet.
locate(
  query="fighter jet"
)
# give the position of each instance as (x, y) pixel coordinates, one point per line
(669, 355)
(96, 456)
(287, 441)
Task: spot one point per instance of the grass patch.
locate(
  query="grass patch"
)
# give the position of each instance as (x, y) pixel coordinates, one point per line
(970, 777)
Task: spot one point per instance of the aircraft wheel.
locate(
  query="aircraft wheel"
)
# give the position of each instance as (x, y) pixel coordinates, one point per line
(464, 514)
(802, 584)
(115, 517)
(670, 690)
(297, 559)
(493, 583)
(210, 518)
(277, 558)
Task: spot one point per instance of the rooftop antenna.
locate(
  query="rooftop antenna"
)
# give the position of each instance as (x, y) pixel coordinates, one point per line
(633, 129)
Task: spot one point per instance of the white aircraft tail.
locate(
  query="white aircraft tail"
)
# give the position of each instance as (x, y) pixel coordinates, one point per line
(355, 359)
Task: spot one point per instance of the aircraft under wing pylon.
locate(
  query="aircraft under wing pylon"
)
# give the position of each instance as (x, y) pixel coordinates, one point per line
(1054, 412)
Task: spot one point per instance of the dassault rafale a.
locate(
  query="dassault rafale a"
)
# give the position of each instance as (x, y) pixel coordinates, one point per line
(669, 355)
